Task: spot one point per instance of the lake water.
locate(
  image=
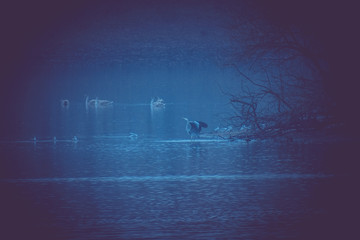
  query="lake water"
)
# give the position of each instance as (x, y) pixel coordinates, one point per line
(162, 185)
(159, 185)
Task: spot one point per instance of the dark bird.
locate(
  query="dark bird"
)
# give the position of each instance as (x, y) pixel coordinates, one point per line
(65, 103)
(193, 128)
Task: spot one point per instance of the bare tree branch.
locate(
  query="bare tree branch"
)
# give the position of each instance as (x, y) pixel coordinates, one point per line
(280, 78)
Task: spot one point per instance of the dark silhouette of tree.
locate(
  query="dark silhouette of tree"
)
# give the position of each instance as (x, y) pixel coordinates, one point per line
(282, 71)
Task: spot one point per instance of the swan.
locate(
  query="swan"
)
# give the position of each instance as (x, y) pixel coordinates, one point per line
(97, 103)
(157, 103)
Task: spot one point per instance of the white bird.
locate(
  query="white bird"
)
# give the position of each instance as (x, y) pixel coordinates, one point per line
(157, 104)
(97, 103)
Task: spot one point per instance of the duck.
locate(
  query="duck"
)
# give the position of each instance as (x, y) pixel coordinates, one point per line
(97, 103)
(157, 103)
(65, 103)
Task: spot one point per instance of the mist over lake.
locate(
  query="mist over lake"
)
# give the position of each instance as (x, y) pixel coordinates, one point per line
(162, 120)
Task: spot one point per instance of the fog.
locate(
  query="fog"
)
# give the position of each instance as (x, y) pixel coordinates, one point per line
(126, 52)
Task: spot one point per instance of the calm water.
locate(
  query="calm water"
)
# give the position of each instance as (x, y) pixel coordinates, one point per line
(164, 186)
(159, 185)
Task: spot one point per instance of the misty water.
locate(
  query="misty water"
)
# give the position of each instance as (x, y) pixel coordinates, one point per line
(161, 184)
(134, 173)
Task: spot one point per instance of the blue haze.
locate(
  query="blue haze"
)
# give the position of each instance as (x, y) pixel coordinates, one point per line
(160, 185)
(127, 53)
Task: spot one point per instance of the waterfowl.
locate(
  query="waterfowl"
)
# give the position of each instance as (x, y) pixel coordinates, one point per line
(64, 103)
(97, 103)
(193, 128)
(157, 103)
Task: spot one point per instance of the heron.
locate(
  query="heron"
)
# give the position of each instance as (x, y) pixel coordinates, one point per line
(193, 128)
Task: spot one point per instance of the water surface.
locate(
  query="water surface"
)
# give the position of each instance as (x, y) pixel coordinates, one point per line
(162, 185)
